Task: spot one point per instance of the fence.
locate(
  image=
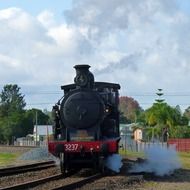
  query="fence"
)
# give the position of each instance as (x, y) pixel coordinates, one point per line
(182, 145)
(30, 143)
(137, 146)
(126, 143)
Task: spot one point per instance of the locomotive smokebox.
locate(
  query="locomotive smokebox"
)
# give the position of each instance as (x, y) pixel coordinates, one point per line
(84, 78)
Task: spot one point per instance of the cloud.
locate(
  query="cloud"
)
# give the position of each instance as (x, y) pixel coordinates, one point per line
(143, 45)
(150, 31)
(38, 48)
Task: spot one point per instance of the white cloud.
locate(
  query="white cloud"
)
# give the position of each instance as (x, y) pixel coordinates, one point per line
(46, 18)
(143, 45)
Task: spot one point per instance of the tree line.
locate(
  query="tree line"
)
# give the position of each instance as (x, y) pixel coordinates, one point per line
(15, 120)
(156, 119)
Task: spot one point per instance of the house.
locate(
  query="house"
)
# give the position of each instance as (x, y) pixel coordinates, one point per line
(126, 129)
(138, 134)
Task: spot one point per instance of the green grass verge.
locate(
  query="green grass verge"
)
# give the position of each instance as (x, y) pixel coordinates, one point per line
(131, 154)
(185, 159)
(7, 158)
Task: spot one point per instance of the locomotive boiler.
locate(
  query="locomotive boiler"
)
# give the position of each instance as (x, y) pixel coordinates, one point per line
(86, 122)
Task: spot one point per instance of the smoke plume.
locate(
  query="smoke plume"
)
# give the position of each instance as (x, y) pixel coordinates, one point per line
(114, 162)
(160, 161)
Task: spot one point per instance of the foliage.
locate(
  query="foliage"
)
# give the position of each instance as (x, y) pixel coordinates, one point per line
(11, 100)
(34, 116)
(129, 108)
(14, 120)
(186, 116)
(122, 118)
(11, 112)
(179, 132)
(162, 114)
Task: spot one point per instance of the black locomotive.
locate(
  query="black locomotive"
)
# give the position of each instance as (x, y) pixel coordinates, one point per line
(86, 127)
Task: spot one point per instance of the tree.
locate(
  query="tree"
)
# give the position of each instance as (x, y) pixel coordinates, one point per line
(29, 120)
(162, 118)
(11, 112)
(129, 108)
(11, 100)
(33, 114)
(186, 116)
(162, 114)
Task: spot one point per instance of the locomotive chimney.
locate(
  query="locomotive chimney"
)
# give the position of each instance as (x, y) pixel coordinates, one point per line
(82, 69)
(84, 78)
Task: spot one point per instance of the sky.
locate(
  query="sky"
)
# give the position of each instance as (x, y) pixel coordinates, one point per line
(142, 45)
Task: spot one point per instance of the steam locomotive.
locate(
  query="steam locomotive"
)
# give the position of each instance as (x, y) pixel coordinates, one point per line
(86, 122)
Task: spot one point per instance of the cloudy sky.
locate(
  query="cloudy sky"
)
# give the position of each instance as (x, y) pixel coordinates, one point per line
(143, 45)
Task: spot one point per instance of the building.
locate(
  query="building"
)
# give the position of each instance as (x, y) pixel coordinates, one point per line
(41, 132)
(138, 134)
(126, 133)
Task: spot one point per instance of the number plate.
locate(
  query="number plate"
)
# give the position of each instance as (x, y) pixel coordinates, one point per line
(71, 147)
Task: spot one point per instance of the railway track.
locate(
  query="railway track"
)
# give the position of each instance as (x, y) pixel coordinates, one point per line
(70, 186)
(80, 183)
(30, 184)
(25, 168)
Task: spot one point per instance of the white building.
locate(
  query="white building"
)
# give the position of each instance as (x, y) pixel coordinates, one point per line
(41, 132)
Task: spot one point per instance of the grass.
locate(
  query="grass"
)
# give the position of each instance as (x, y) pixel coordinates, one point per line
(7, 158)
(131, 154)
(185, 159)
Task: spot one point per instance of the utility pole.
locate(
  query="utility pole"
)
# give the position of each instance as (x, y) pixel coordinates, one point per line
(36, 127)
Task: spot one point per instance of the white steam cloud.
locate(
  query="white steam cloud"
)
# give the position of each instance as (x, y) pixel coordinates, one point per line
(114, 162)
(160, 161)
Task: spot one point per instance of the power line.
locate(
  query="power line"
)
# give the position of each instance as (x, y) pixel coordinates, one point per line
(141, 103)
(44, 93)
(40, 103)
(135, 95)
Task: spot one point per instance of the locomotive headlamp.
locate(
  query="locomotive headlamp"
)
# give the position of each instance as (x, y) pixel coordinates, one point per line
(107, 110)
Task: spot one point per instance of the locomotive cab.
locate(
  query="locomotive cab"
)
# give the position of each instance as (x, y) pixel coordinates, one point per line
(86, 122)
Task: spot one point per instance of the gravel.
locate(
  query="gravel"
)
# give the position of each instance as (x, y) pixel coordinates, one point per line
(28, 176)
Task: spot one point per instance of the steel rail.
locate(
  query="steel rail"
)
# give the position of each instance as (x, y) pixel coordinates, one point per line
(27, 185)
(80, 183)
(25, 168)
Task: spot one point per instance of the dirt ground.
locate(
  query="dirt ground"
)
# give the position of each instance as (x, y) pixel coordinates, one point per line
(179, 180)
